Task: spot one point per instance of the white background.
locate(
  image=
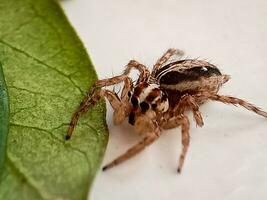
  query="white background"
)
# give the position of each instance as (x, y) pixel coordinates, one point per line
(227, 158)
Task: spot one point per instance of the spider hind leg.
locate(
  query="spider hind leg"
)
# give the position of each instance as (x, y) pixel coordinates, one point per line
(165, 57)
(233, 101)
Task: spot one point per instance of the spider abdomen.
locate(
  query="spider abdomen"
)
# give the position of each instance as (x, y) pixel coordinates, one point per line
(186, 75)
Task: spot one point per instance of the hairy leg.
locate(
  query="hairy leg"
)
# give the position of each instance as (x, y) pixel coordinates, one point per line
(123, 110)
(183, 120)
(128, 86)
(180, 120)
(144, 72)
(91, 100)
(166, 56)
(109, 81)
(188, 101)
(135, 149)
(95, 95)
(231, 100)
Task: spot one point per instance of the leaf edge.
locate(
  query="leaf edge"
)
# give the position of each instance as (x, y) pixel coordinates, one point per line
(4, 119)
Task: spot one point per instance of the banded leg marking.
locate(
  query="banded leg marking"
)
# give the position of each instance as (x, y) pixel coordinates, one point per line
(164, 58)
(134, 150)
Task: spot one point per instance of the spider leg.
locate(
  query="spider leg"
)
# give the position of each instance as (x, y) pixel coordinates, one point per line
(91, 100)
(95, 95)
(135, 149)
(110, 81)
(232, 100)
(144, 72)
(185, 140)
(189, 101)
(164, 58)
(128, 86)
(122, 110)
(184, 122)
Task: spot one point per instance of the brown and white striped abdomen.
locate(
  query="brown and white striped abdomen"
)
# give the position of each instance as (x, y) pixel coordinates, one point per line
(184, 75)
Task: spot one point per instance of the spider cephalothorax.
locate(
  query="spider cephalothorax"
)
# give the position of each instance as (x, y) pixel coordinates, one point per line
(148, 101)
(159, 99)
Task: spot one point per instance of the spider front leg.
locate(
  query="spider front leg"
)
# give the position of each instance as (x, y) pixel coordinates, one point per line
(128, 86)
(95, 95)
(185, 124)
(165, 57)
(133, 64)
(144, 72)
(231, 100)
(122, 109)
(149, 139)
(189, 101)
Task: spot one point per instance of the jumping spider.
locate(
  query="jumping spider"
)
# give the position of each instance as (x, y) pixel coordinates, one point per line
(159, 99)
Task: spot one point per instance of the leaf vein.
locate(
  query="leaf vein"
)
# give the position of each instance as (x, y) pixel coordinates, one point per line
(55, 138)
(22, 176)
(42, 63)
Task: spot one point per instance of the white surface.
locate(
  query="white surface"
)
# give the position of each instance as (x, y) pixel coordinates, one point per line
(227, 158)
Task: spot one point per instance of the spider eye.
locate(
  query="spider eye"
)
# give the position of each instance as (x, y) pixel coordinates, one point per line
(134, 101)
(131, 119)
(154, 106)
(129, 94)
(144, 106)
(164, 97)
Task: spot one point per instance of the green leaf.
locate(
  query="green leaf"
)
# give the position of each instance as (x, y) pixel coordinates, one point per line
(47, 73)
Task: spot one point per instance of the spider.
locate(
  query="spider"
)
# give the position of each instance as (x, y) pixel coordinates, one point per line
(158, 100)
